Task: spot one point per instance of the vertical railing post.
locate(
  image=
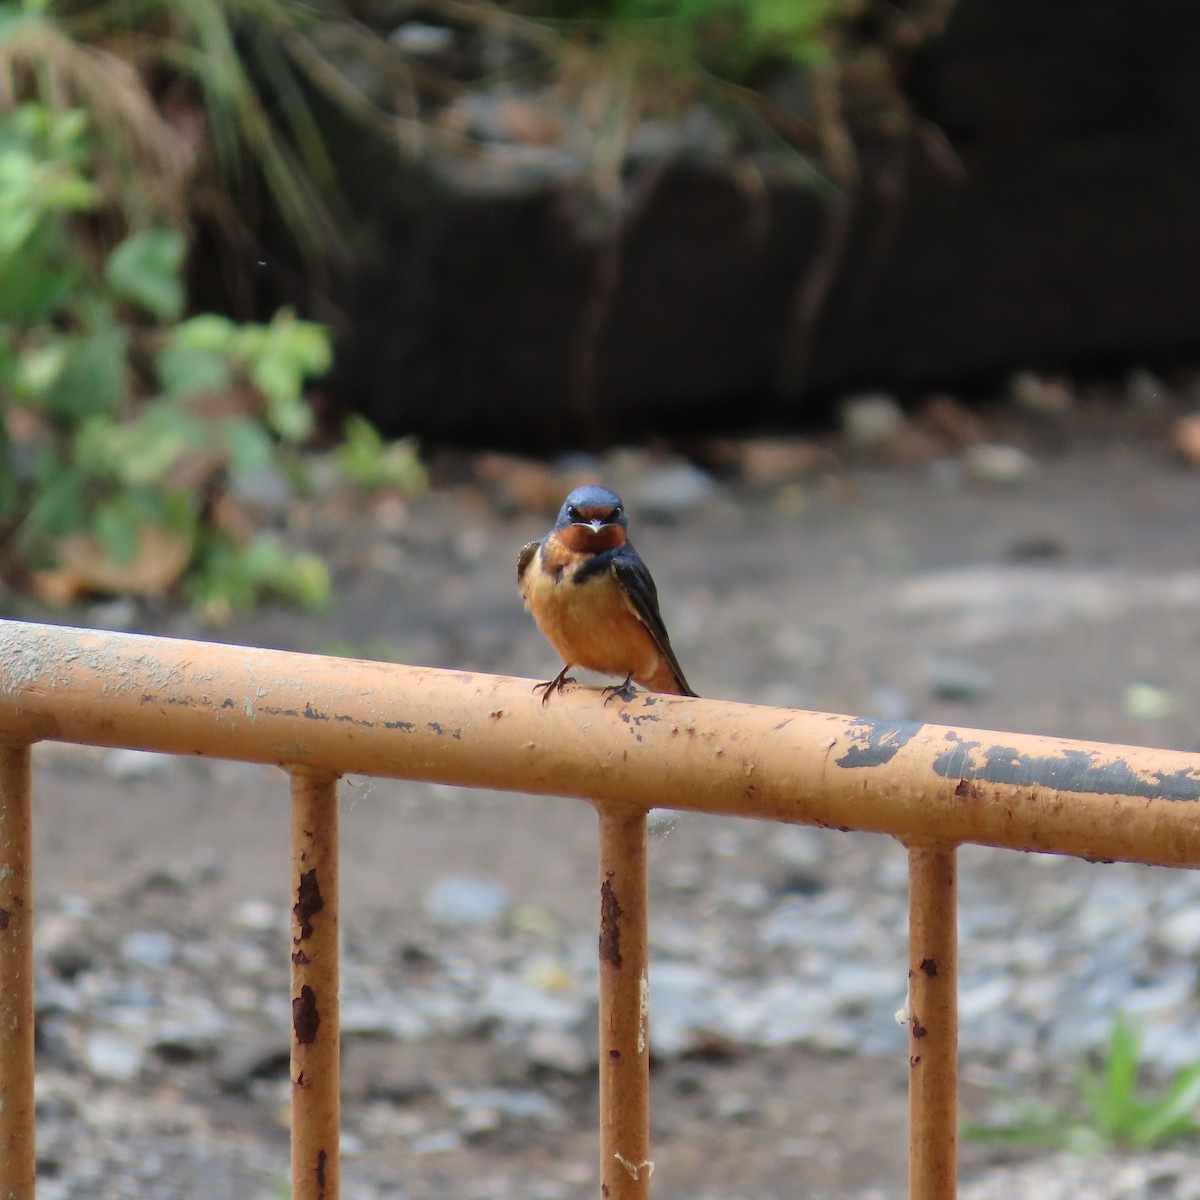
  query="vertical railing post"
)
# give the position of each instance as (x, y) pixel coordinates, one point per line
(932, 1023)
(625, 1164)
(18, 1164)
(315, 1024)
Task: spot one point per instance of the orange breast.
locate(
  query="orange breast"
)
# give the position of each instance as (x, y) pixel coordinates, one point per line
(591, 624)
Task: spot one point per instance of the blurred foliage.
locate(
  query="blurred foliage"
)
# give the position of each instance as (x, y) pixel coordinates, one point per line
(218, 91)
(729, 37)
(1115, 1112)
(118, 421)
(365, 459)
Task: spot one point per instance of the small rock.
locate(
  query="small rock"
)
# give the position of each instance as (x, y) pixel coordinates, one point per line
(872, 419)
(151, 948)
(957, 679)
(189, 1036)
(137, 764)
(516, 1003)
(108, 1055)
(668, 491)
(251, 1056)
(264, 916)
(486, 1109)
(461, 901)
(421, 39)
(557, 1050)
(437, 1141)
(992, 462)
(1147, 702)
(950, 421)
(1180, 932)
(767, 462)
(1047, 395)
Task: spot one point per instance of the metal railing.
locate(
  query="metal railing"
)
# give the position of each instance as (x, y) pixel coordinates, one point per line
(932, 787)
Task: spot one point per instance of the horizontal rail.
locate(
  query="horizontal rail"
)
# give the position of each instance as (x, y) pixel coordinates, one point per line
(927, 784)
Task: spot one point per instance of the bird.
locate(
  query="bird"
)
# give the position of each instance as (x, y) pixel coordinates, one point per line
(594, 599)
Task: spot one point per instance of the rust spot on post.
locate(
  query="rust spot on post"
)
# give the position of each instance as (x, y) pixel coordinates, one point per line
(306, 1020)
(5, 917)
(929, 967)
(308, 903)
(610, 925)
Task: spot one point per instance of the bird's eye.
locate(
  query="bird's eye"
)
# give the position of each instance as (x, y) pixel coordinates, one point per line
(615, 515)
(572, 512)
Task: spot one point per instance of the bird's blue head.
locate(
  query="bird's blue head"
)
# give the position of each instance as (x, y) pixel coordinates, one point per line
(592, 506)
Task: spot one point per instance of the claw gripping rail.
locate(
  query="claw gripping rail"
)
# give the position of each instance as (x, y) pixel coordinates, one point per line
(932, 787)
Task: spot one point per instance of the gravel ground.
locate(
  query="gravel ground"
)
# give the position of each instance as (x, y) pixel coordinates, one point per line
(1055, 590)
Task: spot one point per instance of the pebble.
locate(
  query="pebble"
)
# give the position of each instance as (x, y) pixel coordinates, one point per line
(957, 679)
(1004, 466)
(111, 1056)
(872, 419)
(1147, 702)
(460, 901)
(150, 948)
(668, 492)
(558, 1050)
(138, 764)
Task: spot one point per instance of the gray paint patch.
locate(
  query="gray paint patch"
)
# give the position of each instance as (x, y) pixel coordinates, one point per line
(875, 743)
(1070, 771)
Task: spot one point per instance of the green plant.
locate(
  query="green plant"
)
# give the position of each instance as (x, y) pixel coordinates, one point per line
(118, 421)
(223, 90)
(365, 459)
(1114, 1113)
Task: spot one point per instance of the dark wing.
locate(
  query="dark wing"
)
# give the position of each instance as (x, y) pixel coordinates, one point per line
(526, 557)
(638, 584)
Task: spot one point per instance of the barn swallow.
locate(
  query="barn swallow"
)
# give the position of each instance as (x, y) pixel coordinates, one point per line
(593, 598)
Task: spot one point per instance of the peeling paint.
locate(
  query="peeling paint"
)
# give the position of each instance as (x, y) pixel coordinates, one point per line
(1083, 771)
(876, 743)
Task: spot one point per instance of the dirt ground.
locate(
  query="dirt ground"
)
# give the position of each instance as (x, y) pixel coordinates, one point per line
(1065, 601)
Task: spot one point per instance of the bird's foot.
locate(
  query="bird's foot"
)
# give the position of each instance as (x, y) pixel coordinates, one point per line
(623, 689)
(554, 685)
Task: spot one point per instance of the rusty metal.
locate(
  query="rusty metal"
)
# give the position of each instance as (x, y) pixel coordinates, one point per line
(625, 1166)
(921, 782)
(932, 1022)
(17, 1161)
(934, 787)
(315, 1067)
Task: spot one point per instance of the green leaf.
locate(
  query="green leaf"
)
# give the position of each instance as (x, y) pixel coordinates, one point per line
(146, 268)
(250, 446)
(61, 501)
(119, 528)
(185, 370)
(1174, 1115)
(207, 332)
(94, 374)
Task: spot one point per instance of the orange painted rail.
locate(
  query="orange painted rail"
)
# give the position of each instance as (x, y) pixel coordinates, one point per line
(933, 787)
